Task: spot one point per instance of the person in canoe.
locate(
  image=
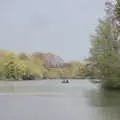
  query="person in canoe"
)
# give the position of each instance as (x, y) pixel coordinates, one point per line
(65, 81)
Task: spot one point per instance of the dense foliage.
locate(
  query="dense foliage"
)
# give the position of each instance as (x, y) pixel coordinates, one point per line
(105, 50)
(34, 66)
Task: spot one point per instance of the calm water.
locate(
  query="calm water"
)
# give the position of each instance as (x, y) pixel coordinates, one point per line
(52, 100)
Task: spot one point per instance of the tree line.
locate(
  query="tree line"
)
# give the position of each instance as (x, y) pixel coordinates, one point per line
(21, 66)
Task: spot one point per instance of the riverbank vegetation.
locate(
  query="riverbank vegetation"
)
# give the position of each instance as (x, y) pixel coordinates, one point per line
(21, 66)
(105, 50)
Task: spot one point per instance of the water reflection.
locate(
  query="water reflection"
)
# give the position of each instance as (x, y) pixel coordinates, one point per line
(52, 100)
(107, 103)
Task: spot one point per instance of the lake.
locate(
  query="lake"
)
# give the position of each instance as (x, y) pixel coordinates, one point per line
(52, 100)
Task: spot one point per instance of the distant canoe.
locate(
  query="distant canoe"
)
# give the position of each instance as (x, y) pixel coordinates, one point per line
(65, 81)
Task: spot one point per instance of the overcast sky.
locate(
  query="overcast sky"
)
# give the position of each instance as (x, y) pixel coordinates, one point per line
(59, 26)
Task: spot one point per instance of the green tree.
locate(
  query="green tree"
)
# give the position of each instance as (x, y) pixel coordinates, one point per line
(14, 68)
(105, 53)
